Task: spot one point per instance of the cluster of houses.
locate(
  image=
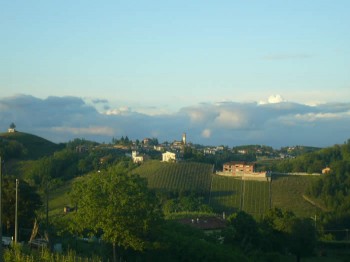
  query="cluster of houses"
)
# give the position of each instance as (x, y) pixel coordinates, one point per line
(166, 157)
(170, 152)
(234, 169)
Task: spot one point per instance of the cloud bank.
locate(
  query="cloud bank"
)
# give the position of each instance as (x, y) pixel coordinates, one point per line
(275, 122)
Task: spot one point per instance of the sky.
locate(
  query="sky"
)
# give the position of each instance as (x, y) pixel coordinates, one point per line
(225, 72)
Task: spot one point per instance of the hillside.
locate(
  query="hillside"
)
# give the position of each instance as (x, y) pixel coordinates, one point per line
(35, 146)
(227, 194)
(179, 177)
(288, 191)
(299, 194)
(224, 194)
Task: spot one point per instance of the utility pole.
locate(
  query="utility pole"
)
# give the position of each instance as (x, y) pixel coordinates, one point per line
(1, 250)
(270, 191)
(16, 213)
(241, 202)
(47, 205)
(243, 194)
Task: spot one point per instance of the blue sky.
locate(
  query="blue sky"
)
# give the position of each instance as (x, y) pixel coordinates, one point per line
(159, 57)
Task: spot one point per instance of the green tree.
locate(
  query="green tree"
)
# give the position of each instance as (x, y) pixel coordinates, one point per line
(117, 204)
(154, 141)
(28, 203)
(242, 231)
(298, 234)
(173, 241)
(11, 149)
(302, 239)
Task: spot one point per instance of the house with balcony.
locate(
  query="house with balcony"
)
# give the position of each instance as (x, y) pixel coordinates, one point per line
(244, 170)
(239, 168)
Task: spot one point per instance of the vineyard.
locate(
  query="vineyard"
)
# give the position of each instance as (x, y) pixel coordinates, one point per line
(179, 177)
(287, 192)
(228, 194)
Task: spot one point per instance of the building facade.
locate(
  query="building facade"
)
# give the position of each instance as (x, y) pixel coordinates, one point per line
(239, 168)
(169, 157)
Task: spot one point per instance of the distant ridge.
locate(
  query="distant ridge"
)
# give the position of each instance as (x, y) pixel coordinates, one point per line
(36, 147)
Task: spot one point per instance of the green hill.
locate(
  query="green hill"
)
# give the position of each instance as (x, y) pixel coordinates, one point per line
(228, 194)
(224, 194)
(35, 146)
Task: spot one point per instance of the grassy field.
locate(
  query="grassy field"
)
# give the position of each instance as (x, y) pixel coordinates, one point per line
(59, 198)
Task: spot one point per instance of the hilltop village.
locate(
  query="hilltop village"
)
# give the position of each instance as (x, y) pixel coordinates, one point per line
(237, 161)
(176, 150)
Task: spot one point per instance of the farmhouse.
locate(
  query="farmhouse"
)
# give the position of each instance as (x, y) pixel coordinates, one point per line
(239, 168)
(244, 170)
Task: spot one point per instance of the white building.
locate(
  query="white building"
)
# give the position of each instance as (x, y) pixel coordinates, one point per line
(136, 158)
(169, 157)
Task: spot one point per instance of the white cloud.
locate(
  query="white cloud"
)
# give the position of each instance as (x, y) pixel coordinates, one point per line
(231, 119)
(201, 114)
(206, 133)
(275, 123)
(312, 117)
(273, 99)
(276, 99)
(92, 130)
(118, 111)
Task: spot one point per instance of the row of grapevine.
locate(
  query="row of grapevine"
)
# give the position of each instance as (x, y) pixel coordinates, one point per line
(195, 177)
(255, 197)
(287, 191)
(228, 194)
(225, 194)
